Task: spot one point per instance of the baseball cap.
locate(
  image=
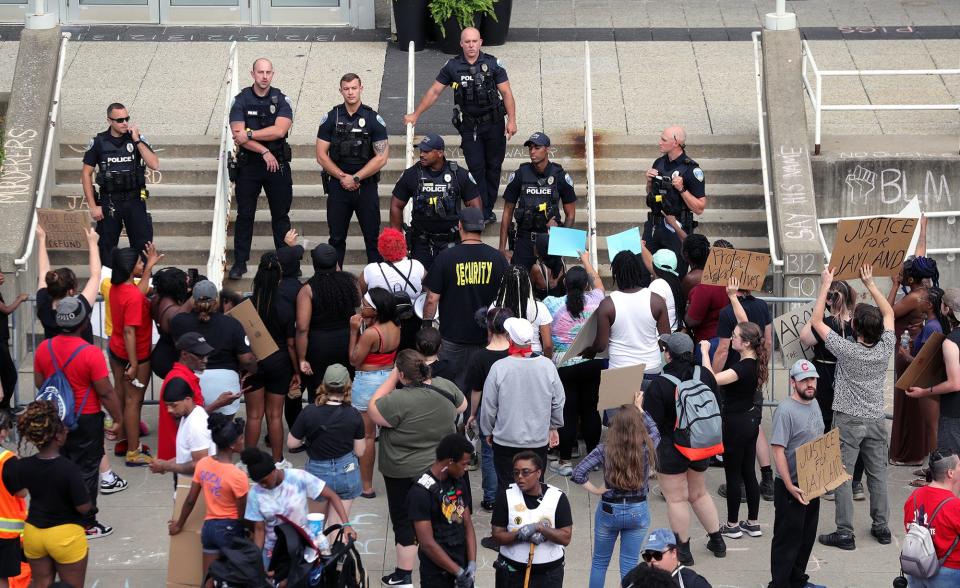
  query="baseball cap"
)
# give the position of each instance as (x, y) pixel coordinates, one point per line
(336, 375)
(431, 142)
(803, 369)
(324, 257)
(71, 313)
(289, 258)
(205, 289)
(539, 139)
(520, 331)
(666, 260)
(193, 342)
(677, 343)
(660, 540)
(472, 219)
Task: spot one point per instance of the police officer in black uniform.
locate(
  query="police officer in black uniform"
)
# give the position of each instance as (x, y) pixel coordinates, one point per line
(352, 148)
(260, 119)
(438, 187)
(121, 155)
(533, 198)
(482, 96)
(675, 188)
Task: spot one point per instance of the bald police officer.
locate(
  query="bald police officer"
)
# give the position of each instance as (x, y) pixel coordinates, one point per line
(534, 195)
(121, 155)
(675, 188)
(260, 119)
(482, 96)
(439, 188)
(352, 148)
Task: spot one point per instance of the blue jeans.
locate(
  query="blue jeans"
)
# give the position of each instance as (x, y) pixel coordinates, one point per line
(219, 533)
(341, 474)
(364, 385)
(488, 473)
(631, 521)
(945, 578)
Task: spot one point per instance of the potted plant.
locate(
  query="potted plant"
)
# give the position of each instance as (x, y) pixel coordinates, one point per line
(411, 20)
(452, 16)
(494, 29)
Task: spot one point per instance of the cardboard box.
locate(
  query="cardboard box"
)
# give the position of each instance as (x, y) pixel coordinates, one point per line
(185, 558)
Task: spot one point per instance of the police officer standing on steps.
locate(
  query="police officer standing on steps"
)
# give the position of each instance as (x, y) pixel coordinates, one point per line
(352, 148)
(675, 192)
(121, 155)
(533, 197)
(260, 119)
(482, 96)
(438, 187)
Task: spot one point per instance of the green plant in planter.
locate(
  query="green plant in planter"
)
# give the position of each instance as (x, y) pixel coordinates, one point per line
(462, 10)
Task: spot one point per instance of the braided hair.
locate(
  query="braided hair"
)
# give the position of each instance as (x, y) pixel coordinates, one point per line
(627, 270)
(696, 250)
(265, 298)
(919, 269)
(935, 298)
(516, 293)
(40, 423)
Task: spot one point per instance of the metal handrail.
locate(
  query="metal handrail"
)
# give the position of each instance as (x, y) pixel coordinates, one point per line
(217, 260)
(411, 88)
(816, 95)
(762, 133)
(21, 262)
(588, 146)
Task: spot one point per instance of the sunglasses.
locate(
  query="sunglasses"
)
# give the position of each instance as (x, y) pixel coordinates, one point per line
(524, 472)
(652, 555)
(121, 119)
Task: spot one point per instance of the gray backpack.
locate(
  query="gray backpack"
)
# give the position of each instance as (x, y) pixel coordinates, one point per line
(698, 433)
(918, 558)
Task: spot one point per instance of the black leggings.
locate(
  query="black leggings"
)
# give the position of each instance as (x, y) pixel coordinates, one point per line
(740, 431)
(581, 386)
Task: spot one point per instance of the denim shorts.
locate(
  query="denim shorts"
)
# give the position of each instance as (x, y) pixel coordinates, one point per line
(364, 385)
(219, 533)
(342, 474)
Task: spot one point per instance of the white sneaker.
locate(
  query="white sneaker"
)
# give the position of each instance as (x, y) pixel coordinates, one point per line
(283, 465)
(117, 485)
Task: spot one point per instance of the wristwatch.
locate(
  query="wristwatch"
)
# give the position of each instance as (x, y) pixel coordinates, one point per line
(356, 179)
(249, 134)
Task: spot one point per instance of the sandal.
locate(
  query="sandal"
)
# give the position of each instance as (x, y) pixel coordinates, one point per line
(918, 482)
(368, 494)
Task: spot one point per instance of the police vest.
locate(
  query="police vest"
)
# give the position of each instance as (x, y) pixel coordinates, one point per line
(475, 86)
(120, 168)
(13, 509)
(519, 515)
(448, 533)
(261, 113)
(438, 198)
(351, 142)
(539, 199)
(672, 202)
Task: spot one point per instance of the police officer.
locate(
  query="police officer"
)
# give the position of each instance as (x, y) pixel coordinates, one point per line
(533, 197)
(121, 155)
(482, 95)
(260, 119)
(438, 188)
(675, 188)
(352, 148)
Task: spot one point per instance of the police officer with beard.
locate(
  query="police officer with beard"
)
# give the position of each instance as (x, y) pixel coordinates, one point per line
(260, 119)
(438, 187)
(352, 148)
(675, 192)
(533, 197)
(482, 96)
(121, 155)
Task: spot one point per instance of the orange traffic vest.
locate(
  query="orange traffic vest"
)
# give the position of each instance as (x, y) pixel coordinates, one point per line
(13, 509)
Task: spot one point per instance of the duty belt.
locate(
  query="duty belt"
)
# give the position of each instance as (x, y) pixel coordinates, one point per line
(482, 118)
(529, 235)
(121, 196)
(449, 237)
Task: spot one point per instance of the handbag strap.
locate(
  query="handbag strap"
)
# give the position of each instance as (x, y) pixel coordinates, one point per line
(442, 392)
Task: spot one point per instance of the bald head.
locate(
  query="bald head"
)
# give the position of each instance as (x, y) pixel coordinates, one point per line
(677, 133)
(262, 74)
(470, 42)
(262, 63)
(672, 141)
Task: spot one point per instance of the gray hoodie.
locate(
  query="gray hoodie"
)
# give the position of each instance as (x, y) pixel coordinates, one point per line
(522, 400)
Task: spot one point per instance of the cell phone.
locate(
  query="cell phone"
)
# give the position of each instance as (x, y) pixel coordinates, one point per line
(193, 275)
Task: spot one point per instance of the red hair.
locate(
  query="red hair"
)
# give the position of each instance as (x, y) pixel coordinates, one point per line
(392, 245)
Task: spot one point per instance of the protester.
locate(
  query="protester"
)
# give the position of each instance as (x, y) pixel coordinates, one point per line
(704, 301)
(13, 511)
(440, 506)
(934, 506)
(332, 432)
(224, 488)
(663, 552)
(290, 256)
(413, 420)
(397, 273)
(626, 460)
(427, 343)
(858, 406)
(57, 284)
(695, 251)
(548, 272)
(532, 522)
(796, 421)
(663, 266)
(171, 297)
(8, 370)
(681, 480)
(194, 441)
(516, 295)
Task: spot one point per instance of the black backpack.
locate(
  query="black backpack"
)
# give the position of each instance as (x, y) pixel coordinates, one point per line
(239, 566)
(343, 568)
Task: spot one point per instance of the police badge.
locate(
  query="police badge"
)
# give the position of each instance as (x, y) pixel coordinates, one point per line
(362, 122)
(129, 147)
(550, 180)
(273, 109)
(484, 67)
(447, 177)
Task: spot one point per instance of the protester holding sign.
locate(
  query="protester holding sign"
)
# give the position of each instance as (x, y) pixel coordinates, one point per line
(704, 301)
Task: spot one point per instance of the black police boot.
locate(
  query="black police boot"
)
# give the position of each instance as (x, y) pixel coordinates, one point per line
(684, 555)
(239, 268)
(766, 483)
(717, 545)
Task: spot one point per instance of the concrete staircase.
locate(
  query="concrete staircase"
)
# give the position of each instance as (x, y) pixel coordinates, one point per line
(182, 194)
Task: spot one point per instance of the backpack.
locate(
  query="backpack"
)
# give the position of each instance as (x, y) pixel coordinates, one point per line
(239, 566)
(343, 568)
(918, 558)
(698, 432)
(400, 295)
(57, 389)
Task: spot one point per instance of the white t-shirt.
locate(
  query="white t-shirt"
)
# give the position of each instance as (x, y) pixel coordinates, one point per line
(538, 314)
(661, 287)
(193, 435)
(411, 269)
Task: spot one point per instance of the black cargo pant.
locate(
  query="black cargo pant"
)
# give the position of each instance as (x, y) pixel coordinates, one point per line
(484, 148)
(123, 210)
(252, 177)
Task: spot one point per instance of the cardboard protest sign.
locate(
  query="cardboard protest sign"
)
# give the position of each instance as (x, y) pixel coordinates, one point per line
(185, 566)
(619, 386)
(261, 343)
(64, 228)
(583, 340)
(749, 267)
(787, 327)
(880, 241)
(819, 466)
(927, 368)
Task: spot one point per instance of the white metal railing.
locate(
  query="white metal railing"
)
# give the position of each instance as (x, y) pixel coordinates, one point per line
(411, 88)
(42, 183)
(762, 133)
(816, 94)
(216, 262)
(588, 147)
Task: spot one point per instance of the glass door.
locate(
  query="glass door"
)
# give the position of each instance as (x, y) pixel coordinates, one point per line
(302, 12)
(113, 11)
(190, 12)
(14, 11)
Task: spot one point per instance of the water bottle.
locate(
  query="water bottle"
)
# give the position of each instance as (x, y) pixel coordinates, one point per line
(905, 340)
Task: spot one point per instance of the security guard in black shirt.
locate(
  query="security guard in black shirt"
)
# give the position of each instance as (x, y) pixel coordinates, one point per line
(482, 96)
(352, 148)
(533, 197)
(260, 119)
(438, 188)
(675, 192)
(121, 156)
